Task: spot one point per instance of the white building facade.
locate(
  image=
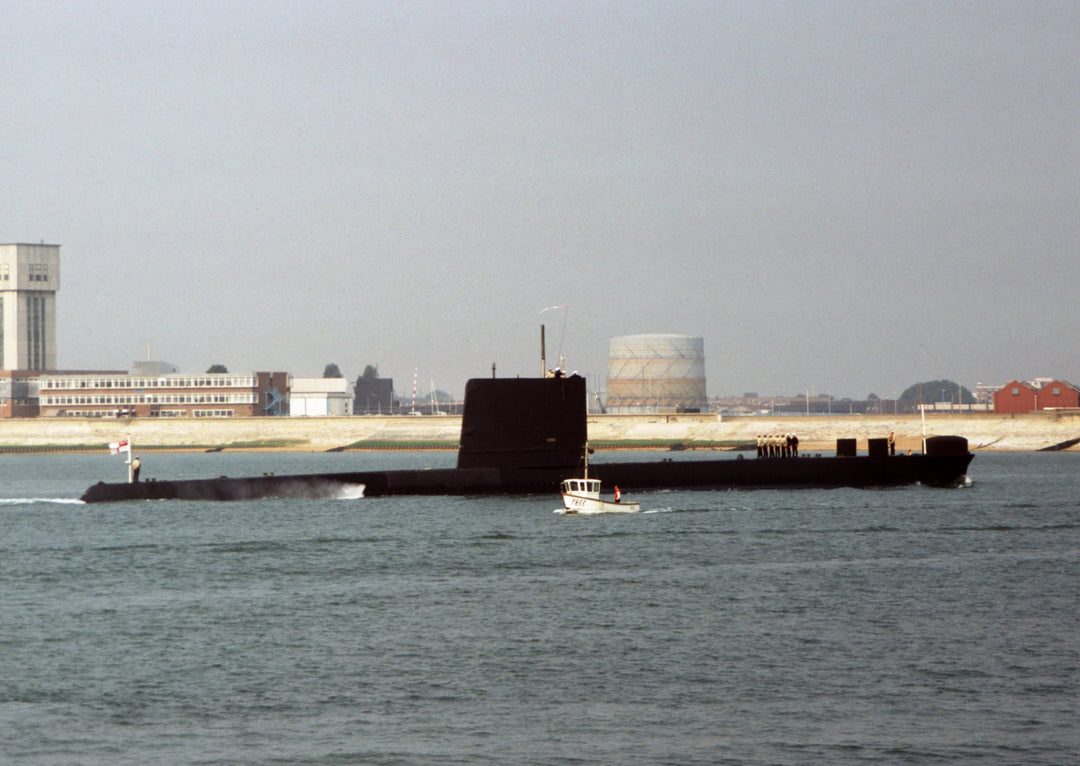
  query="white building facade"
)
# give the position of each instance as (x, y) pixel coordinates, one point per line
(319, 397)
(29, 279)
(209, 395)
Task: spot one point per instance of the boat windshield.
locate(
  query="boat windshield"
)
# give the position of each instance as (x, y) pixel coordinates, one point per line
(581, 485)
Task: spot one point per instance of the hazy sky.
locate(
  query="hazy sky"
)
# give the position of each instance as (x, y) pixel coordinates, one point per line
(846, 196)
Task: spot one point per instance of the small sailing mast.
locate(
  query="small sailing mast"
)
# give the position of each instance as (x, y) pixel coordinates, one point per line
(435, 400)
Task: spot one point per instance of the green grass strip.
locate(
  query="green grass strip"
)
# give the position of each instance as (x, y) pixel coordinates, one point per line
(653, 444)
(402, 444)
(268, 444)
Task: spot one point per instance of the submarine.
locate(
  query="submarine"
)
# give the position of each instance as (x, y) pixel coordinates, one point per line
(525, 435)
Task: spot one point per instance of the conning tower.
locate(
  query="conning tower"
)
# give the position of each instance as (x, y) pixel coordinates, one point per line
(523, 423)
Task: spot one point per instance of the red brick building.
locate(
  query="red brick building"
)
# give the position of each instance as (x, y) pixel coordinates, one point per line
(1058, 394)
(1015, 396)
(1022, 396)
(19, 393)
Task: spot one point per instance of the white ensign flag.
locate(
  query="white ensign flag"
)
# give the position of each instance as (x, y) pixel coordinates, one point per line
(121, 446)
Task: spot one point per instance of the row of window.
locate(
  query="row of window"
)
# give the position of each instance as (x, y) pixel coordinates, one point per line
(163, 413)
(1056, 391)
(195, 413)
(39, 272)
(71, 382)
(84, 414)
(108, 399)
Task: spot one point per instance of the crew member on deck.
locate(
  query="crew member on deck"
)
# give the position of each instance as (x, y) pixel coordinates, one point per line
(136, 464)
(892, 444)
(618, 494)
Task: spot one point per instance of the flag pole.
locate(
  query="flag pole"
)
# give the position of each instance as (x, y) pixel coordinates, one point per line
(131, 476)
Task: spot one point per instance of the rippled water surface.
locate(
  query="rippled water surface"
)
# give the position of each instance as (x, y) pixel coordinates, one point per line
(773, 627)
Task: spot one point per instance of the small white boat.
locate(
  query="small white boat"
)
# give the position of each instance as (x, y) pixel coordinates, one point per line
(582, 495)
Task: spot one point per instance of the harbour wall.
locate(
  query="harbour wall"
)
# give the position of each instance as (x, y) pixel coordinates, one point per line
(984, 431)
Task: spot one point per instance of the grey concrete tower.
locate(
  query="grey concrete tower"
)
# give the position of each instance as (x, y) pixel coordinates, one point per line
(29, 279)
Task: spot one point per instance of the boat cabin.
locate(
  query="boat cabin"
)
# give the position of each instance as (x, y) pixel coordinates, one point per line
(581, 487)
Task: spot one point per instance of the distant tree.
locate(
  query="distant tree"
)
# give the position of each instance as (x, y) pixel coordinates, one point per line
(872, 397)
(332, 371)
(218, 368)
(936, 391)
(370, 372)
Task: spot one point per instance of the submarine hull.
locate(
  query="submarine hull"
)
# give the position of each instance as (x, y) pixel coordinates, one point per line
(794, 473)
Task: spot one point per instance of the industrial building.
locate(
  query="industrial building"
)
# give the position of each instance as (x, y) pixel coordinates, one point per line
(656, 373)
(1032, 396)
(374, 396)
(29, 279)
(319, 397)
(1058, 395)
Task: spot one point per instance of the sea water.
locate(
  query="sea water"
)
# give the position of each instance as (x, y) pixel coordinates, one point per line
(907, 625)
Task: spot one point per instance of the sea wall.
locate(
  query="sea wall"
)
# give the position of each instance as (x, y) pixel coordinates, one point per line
(302, 434)
(984, 431)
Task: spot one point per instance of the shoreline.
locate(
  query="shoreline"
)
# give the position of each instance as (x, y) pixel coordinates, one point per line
(1026, 432)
